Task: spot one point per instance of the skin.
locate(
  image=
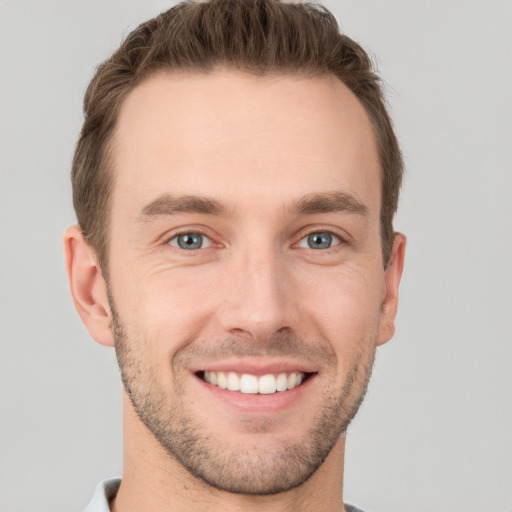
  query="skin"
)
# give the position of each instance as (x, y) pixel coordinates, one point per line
(279, 158)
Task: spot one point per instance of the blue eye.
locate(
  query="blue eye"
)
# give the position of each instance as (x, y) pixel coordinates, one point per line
(319, 240)
(190, 241)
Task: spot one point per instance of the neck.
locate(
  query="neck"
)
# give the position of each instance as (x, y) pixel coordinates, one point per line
(154, 481)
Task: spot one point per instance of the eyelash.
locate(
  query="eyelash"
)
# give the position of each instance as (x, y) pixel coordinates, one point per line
(337, 240)
(189, 232)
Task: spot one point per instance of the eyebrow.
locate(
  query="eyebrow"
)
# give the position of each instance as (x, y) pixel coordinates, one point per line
(170, 205)
(329, 202)
(326, 202)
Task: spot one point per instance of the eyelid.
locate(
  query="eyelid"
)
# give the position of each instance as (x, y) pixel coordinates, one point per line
(341, 235)
(188, 230)
(336, 239)
(303, 233)
(204, 237)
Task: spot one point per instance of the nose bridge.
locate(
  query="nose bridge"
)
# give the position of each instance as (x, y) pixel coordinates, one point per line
(259, 303)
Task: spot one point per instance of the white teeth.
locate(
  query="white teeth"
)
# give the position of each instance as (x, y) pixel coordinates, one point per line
(282, 382)
(222, 380)
(251, 384)
(267, 384)
(233, 382)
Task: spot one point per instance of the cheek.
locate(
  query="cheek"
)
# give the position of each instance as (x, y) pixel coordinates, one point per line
(345, 310)
(169, 307)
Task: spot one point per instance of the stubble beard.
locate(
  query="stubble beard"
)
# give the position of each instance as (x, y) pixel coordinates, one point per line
(246, 469)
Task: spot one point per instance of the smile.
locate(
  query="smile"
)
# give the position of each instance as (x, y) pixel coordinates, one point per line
(253, 384)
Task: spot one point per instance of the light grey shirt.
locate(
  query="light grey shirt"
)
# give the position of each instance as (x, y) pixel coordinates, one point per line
(107, 490)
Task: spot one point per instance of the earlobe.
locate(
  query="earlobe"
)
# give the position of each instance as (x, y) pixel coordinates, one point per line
(87, 285)
(392, 278)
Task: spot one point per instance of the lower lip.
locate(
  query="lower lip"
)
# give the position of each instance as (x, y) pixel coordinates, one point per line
(256, 403)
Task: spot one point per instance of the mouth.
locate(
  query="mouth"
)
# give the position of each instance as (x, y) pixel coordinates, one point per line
(251, 384)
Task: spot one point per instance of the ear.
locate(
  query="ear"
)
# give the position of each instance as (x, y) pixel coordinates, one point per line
(392, 278)
(88, 286)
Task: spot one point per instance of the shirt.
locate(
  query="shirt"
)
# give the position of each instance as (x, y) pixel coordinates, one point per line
(107, 490)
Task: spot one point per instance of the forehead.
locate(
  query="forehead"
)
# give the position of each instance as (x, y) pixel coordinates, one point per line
(233, 135)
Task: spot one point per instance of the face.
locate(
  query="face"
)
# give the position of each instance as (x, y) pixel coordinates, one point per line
(246, 280)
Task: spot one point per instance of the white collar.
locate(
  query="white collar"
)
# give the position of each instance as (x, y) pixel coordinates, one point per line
(104, 492)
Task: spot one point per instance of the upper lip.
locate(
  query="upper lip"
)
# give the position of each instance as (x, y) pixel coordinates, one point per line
(255, 367)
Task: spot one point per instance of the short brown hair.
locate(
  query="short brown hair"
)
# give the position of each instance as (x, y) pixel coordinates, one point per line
(256, 36)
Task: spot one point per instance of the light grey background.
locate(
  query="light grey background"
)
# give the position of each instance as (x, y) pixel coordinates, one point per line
(434, 434)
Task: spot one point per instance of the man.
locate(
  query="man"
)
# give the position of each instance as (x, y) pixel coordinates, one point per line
(235, 183)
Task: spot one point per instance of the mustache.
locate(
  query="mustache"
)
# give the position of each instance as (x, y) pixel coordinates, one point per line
(287, 345)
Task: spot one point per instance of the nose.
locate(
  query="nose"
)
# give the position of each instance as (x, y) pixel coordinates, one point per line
(258, 292)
